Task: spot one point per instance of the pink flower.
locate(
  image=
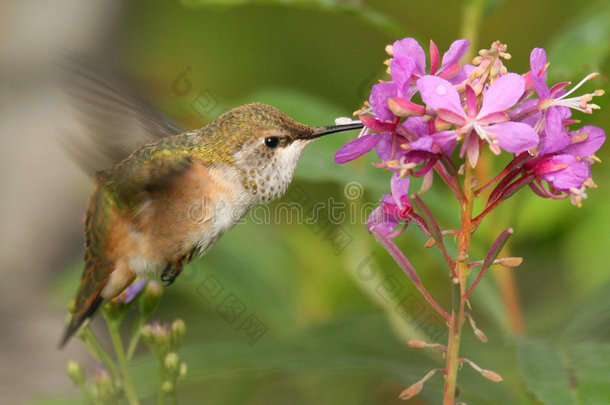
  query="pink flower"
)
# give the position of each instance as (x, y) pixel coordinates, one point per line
(556, 96)
(357, 147)
(393, 209)
(489, 122)
(410, 48)
(565, 160)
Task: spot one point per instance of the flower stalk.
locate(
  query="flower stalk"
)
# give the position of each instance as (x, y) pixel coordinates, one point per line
(459, 300)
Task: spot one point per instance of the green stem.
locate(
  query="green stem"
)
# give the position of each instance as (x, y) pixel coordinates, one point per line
(96, 349)
(174, 397)
(130, 392)
(471, 21)
(161, 395)
(459, 298)
(135, 338)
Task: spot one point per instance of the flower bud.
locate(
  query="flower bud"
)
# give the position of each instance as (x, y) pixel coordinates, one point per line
(412, 391)
(405, 108)
(172, 363)
(146, 333)
(104, 385)
(511, 261)
(167, 386)
(157, 337)
(76, 373)
(114, 310)
(492, 375)
(150, 298)
(178, 331)
(480, 335)
(183, 370)
(417, 344)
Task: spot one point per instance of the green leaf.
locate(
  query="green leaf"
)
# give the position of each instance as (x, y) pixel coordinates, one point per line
(587, 253)
(584, 45)
(565, 374)
(591, 320)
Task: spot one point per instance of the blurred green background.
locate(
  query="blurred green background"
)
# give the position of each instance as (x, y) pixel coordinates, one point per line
(333, 310)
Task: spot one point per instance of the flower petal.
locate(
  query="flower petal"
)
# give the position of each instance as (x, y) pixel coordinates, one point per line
(590, 145)
(453, 55)
(554, 137)
(356, 148)
(410, 48)
(447, 140)
(381, 220)
(384, 147)
(538, 72)
(438, 93)
(514, 137)
(461, 73)
(132, 291)
(400, 188)
(402, 69)
(376, 125)
(434, 58)
(573, 174)
(380, 93)
(501, 95)
(416, 126)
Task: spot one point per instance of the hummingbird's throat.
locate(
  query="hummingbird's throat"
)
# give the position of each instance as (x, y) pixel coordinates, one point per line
(267, 177)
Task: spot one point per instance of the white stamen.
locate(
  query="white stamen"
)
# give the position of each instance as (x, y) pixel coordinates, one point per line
(580, 103)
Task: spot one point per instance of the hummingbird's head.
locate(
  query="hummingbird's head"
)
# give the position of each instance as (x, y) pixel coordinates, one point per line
(265, 145)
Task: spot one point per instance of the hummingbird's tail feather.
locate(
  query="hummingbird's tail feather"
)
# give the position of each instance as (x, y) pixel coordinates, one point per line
(78, 320)
(98, 266)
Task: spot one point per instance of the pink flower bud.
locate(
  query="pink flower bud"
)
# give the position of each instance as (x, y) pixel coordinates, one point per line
(492, 375)
(412, 391)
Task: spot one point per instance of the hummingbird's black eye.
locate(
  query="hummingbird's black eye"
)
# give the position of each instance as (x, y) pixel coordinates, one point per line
(272, 142)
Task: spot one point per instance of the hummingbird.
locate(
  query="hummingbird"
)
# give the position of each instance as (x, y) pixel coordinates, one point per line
(171, 200)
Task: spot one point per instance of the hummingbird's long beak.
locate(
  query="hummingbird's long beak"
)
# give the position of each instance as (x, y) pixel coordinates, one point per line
(321, 131)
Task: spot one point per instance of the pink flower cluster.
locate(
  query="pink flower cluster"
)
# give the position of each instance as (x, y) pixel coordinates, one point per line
(417, 120)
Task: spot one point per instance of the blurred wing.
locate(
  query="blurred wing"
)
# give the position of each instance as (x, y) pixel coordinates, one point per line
(148, 169)
(116, 119)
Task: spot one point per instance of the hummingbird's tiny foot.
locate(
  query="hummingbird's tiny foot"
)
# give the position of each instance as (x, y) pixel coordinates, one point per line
(171, 272)
(168, 279)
